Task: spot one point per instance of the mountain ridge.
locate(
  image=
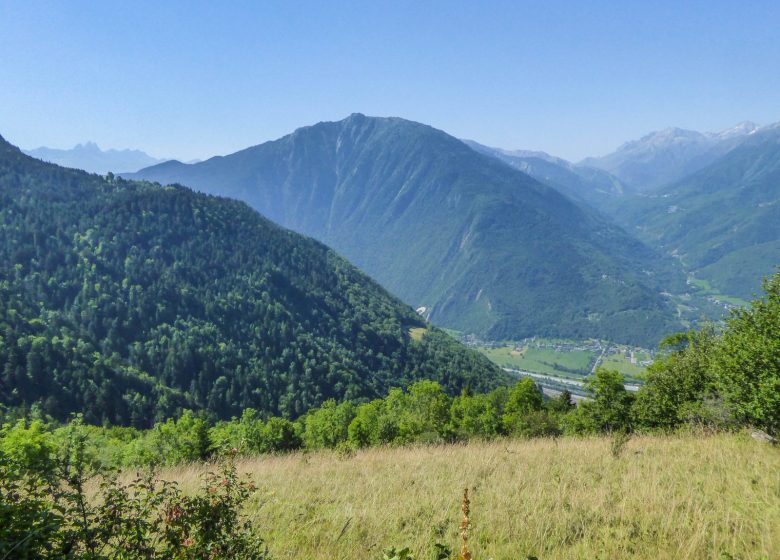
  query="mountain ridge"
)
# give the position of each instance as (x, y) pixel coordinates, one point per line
(129, 302)
(89, 157)
(665, 156)
(587, 184)
(446, 228)
(724, 220)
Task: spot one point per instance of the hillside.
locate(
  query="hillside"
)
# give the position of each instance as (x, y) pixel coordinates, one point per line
(89, 157)
(723, 222)
(482, 247)
(685, 496)
(128, 302)
(668, 155)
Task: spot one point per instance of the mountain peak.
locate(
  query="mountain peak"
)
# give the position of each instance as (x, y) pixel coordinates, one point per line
(664, 156)
(88, 147)
(741, 129)
(440, 225)
(670, 134)
(89, 157)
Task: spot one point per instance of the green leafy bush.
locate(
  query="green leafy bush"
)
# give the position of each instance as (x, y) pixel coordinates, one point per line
(47, 511)
(747, 368)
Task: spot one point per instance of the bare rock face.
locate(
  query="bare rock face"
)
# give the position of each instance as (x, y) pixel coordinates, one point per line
(762, 436)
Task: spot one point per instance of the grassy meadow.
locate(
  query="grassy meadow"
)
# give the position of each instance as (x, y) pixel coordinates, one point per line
(706, 289)
(682, 496)
(542, 360)
(622, 364)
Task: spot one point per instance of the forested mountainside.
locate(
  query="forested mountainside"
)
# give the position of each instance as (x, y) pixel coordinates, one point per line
(128, 302)
(723, 222)
(482, 247)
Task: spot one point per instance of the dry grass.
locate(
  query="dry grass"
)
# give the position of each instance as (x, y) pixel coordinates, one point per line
(663, 497)
(417, 333)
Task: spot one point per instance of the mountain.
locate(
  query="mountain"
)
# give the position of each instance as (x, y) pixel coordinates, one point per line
(90, 157)
(128, 302)
(666, 156)
(476, 245)
(587, 184)
(723, 221)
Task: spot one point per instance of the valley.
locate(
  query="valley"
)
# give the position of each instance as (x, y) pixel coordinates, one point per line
(389, 280)
(484, 247)
(565, 364)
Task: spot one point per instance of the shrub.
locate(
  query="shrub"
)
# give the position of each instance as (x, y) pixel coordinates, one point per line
(677, 385)
(747, 366)
(328, 425)
(524, 398)
(45, 511)
(608, 411)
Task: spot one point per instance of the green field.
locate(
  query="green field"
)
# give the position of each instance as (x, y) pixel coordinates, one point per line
(542, 360)
(417, 333)
(705, 289)
(572, 364)
(623, 364)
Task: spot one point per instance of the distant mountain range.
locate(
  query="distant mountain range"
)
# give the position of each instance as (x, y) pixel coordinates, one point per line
(722, 221)
(474, 244)
(127, 302)
(89, 157)
(668, 155)
(709, 199)
(588, 184)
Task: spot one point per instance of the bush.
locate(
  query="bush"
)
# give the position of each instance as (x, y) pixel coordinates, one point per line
(677, 385)
(525, 398)
(328, 425)
(608, 411)
(747, 367)
(45, 511)
(475, 416)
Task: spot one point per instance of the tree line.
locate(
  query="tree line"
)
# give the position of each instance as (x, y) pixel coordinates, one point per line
(719, 380)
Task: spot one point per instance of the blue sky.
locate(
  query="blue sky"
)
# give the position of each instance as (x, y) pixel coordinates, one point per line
(190, 79)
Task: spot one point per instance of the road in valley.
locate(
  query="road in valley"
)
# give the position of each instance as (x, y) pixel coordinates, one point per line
(572, 384)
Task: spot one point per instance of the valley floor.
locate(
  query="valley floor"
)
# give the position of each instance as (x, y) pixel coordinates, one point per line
(694, 496)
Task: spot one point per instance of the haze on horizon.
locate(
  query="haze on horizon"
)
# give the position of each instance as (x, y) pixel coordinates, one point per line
(570, 79)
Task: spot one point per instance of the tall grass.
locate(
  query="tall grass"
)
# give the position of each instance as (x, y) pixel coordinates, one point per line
(694, 496)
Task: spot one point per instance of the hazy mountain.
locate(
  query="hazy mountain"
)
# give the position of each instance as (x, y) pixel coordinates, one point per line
(722, 221)
(588, 184)
(477, 245)
(666, 156)
(127, 301)
(91, 158)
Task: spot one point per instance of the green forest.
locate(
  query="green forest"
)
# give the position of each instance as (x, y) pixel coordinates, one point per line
(715, 380)
(129, 303)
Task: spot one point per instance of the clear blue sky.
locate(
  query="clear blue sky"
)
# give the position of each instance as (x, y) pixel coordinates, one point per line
(190, 79)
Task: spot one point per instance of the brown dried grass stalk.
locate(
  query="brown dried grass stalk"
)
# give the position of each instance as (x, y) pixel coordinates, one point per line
(465, 524)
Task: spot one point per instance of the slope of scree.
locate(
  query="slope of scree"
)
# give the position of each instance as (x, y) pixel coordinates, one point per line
(128, 301)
